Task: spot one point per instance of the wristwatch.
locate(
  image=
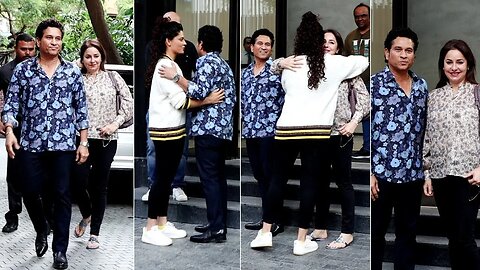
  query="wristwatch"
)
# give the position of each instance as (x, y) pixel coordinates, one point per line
(176, 78)
(85, 143)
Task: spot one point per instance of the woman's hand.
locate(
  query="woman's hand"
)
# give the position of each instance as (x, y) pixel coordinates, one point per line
(107, 130)
(167, 72)
(473, 177)
(428, 188)
(292, 62)
(348, 128)
(216, 96)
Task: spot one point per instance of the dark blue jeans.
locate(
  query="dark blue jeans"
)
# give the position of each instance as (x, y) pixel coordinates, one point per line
(55, 167)
(210, 155)
(405, 199)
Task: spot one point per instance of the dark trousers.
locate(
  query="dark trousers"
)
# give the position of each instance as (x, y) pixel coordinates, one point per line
(405, 200)
(53, 166)
(260, 155)
(210, 153)
(167, 158)
(459, 216)
(340, 153)
(314, 158)
(90, 181)
(13, 187)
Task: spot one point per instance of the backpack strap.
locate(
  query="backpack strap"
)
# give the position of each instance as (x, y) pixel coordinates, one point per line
(114, 82)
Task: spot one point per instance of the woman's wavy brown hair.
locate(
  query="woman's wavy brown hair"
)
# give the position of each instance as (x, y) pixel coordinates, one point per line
(164, 29)
(309, 41)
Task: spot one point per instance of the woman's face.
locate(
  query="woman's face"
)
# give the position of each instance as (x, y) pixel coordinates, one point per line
(455, 67)
(331, 45)
(92, 60)
(177, 44)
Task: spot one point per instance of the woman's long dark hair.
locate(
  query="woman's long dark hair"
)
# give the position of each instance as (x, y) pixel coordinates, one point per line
(163, 30)
(461, 46)
(309, 41)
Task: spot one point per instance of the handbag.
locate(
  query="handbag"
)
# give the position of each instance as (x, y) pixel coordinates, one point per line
(128, 122)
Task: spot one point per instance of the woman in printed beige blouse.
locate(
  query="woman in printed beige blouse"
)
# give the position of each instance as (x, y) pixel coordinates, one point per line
(452, 152)
(89, 181)
(347, 116)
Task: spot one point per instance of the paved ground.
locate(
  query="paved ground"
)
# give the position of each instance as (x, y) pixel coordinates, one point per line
(17, 250)
(280, 256)
(183, 254)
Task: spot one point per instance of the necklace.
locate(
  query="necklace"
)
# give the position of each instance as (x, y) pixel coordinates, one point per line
(168, 57)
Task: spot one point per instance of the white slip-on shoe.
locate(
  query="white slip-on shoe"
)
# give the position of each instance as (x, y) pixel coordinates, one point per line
(170, 231)
(145, 196)
(179, 195)
(155, 237)
(302, 248)
(262, 240)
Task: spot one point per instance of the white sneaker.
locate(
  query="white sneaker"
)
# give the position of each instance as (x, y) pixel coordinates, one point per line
(155, 237)
(179, 195)
(262, 240)
(145, 196)
(171, 232)
(302, 248)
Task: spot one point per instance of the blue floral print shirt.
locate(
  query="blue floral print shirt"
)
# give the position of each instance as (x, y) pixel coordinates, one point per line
(398, 128)
(216, 119)
(51, 109)
(262, 100)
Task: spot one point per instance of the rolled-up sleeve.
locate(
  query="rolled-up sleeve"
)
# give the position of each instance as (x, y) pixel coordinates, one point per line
(80, 102)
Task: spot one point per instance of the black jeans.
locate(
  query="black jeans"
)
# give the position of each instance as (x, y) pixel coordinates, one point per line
(167, 158)
(37, 170)
(314, 158)
(260, 155)
(210, 153)
(90, 181)
(405, 199)
(340, 153)
(459, 216)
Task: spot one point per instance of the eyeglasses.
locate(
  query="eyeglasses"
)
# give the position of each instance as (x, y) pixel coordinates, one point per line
(476, 189)
(343, 144)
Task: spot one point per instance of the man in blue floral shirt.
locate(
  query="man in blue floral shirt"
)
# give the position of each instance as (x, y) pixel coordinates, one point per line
(399, 99)
(47, 93)
(262, 100)
(211, 128)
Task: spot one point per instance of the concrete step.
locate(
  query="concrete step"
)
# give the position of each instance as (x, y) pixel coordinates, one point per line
(292, 191)
(192, 211)
(360, 171)
(252, 211)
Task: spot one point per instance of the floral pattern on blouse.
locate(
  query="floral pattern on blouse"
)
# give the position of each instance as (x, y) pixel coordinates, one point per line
(101, 100)
(452, 140)
(398, 126)
(343, 112)
(216, 119)
(262, 100)
(52, 109)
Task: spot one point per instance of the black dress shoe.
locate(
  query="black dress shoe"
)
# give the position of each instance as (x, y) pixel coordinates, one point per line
(209, 236)
(41, 244)
(10, 227)
(254, 225)
(60, 260)
(202, 228)
(276, 229)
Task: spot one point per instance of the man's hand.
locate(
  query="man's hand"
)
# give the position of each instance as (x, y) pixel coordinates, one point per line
(82, 154)
(428, 188)
(167, 72)
(216, 96)
(11, 144)
(292, 62)
(374, 190)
